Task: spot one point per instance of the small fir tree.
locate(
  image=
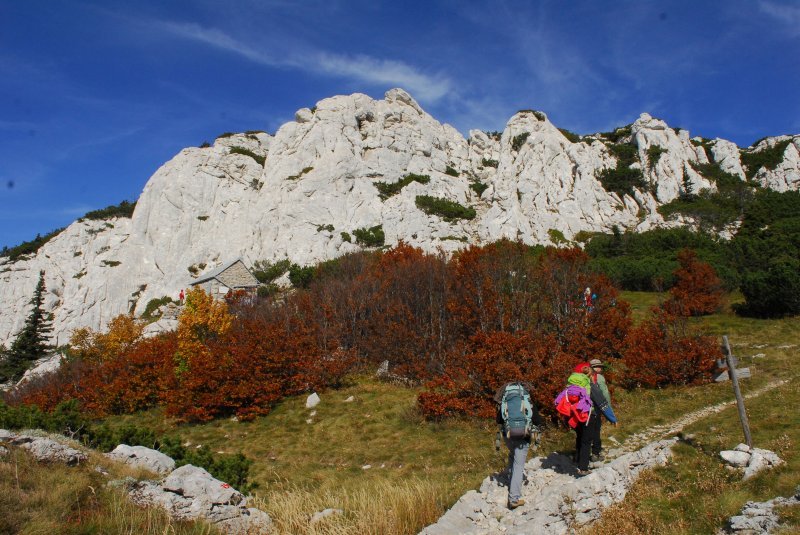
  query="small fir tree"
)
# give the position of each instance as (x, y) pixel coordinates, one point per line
(31, 342)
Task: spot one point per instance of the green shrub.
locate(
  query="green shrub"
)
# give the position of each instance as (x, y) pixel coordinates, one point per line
(463, 239)
(768, 158)
(572, 137)
(28, 247)
(539, 115)
(478, 187)
(386, 190)
(622, 179)
(111, 263)
(447, 210)
(327, 227)
(346, 237)
(80, 274)
(202, 217)
(493, 134)
(151, 310)
(489, 163)
(301, 276)
(246, 152)
(123, 209)
(654, 153)
(205, 145)
(519, 140)
(266, 272)
(557, 237)
(302, 172)
(766, 249)
(196, 269)
(370, 237)
(226, 134)
(256, 184)
(617, 134)
(451, 171)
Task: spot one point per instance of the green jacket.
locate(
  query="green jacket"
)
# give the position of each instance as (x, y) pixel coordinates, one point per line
(601, 382)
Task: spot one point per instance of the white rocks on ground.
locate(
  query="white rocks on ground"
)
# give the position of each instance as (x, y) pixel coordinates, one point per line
(759, 518)
(190, 493)
(142, 457)
(45, 449)
(312, 401)
(753, 460)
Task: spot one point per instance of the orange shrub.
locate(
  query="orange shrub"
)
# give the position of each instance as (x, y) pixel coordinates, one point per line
(697, 290)
(661, 352)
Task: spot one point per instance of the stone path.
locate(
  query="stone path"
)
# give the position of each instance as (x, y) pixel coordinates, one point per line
(656, 432)
(557, 501)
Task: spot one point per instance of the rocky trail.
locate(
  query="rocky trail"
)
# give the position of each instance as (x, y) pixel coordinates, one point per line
(557, 501)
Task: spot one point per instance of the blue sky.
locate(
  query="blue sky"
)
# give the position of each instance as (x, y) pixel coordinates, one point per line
(96, 95)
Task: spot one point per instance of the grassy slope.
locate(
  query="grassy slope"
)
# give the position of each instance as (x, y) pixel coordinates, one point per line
(695, 493)
(420, 468)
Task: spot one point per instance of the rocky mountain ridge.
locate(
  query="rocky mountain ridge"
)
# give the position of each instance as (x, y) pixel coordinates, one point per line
(302, 193)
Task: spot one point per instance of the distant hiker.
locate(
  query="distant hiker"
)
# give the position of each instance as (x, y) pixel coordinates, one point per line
(181, 296)
(589, 299)
(597, 378)
(519, 418)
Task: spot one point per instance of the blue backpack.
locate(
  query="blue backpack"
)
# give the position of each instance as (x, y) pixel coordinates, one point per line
(516, 411)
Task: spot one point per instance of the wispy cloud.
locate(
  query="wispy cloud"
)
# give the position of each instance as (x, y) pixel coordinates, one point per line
(789, 15)
(363, 68)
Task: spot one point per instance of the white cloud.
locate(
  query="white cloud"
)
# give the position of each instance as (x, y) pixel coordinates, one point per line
(360, 67)
(790, 15)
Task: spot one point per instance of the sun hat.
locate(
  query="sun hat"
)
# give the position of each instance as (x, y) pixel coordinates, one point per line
(596, 362)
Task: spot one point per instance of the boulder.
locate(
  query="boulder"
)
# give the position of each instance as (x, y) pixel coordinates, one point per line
(312, 401)
(190, 492)
(49, 450)
(735, 458)
(142, 457)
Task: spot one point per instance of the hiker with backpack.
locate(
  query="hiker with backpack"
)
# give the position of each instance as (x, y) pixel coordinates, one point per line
(596, 378)
(518, 416)
(582, 402)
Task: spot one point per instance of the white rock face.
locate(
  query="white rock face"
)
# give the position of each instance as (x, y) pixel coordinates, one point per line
(208, 206)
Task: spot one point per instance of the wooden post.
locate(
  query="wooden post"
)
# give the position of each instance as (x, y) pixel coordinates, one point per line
(738, 393)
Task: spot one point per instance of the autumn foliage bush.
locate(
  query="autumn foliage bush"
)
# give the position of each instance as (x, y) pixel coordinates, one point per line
(697, 290)
(662, 351)
(462, 326)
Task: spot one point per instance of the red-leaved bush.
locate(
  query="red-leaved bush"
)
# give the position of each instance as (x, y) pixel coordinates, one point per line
(697, 290)
(661, 352)
(462, 325)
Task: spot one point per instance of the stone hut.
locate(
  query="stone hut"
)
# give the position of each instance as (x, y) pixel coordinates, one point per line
(232, 276)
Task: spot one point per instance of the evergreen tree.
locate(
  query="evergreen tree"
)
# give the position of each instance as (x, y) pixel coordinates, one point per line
(31, 342)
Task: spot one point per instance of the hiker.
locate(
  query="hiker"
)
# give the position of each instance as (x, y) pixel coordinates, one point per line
(597, 378)
(579, 385)
(519, 418)
(181, 296)
(588, 299)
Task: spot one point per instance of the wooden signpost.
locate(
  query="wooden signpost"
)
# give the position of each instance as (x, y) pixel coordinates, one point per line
(733, 374)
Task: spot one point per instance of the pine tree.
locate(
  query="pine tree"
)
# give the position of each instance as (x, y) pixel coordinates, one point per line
(31, 342)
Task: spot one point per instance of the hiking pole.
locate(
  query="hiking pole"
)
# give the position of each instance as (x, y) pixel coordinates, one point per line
(738, 393)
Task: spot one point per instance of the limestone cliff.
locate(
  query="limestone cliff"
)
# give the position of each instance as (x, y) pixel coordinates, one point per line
(263, 197)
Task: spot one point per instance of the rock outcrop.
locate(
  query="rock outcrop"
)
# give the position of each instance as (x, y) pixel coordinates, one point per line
(44, 449)
(760, 517)
(301, 193)
(142, 457)
(190, 493)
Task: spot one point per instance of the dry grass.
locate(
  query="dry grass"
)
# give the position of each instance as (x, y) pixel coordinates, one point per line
(380, 508)
(44, 499)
